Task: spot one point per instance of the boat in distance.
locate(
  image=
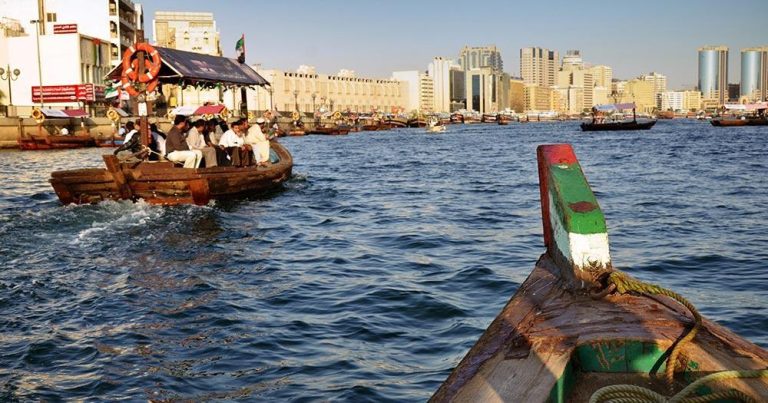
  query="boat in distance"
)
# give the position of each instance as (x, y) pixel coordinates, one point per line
(578, 329)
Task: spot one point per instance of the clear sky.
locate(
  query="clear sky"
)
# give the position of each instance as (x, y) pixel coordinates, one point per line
(376, 37)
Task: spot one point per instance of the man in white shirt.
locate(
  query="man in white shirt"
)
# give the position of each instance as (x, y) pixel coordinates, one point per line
(130, 131)
(259, 141)
(233, 142)
(177, 147)
(196, 141)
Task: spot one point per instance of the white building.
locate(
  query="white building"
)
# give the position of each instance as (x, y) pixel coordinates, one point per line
(672, 100)
(113, 21)
(306, 91)
(412, 80)
(66, 60)
(440, 71)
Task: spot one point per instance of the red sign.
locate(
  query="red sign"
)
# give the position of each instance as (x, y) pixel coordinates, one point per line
(68, 93)
(64, 28)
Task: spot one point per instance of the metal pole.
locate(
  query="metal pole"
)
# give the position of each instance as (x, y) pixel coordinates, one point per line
(38, 23)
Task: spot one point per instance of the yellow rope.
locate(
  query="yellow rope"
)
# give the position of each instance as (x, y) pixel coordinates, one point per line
(624, 284)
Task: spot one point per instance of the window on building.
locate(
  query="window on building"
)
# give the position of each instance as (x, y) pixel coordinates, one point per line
(476, 92)
(112, 8)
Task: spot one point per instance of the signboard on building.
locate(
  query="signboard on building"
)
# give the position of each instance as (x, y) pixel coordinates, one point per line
(64, 28)
(68, 93)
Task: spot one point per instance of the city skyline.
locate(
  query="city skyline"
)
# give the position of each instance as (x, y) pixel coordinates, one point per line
(375, 38)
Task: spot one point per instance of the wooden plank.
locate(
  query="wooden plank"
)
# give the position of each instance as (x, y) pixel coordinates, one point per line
(113, 166)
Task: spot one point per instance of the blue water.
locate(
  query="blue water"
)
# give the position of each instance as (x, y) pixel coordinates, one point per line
(369, 276)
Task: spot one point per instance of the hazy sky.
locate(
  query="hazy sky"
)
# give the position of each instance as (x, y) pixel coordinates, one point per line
(376, 37)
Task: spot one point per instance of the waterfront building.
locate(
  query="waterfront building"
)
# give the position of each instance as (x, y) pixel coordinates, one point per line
(734, 89)
(191, 32)
(640, 92)
(539, 66)
(426, 93)
(672, 101)
(458, 87)
(713, 73)
(516, 94)
(601, 95)
(306, 91)
(67, 63)
(541, 99)
(115, 22)
(691, 100)
(487, 90)
(601, 75)
(659, 82)
(440, 72)
(575, 87)
(412, 81)
(478, 57)
(754, 74)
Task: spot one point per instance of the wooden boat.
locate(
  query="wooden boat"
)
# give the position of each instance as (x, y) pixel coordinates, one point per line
(55, 142)
(488, 118)
(434, 126)
(457, 118)
(114, 141)
(577, 325)
(334, 130)
(168, 184)
(665, 115)
(164, 182)
(627, 125)
(728, 122)
(396, 122)
(417, 122)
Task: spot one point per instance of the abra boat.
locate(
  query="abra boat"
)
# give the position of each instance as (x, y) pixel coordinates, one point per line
(599, 122)
(728, 122)
(43, 140)
(164, 182)
(578, 329)
(752, 115)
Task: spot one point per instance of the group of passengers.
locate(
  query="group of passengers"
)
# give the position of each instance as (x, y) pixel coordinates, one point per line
(207, 143)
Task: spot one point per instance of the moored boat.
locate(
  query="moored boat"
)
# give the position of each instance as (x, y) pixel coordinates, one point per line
(579, 330)
(728, 122)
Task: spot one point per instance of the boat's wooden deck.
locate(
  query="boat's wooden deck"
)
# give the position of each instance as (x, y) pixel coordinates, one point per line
(525, 351)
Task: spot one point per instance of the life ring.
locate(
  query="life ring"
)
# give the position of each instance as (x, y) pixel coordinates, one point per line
(268, 115)
(130, 65)
(251, 115)
(113, 115)
(224, 113)
(336, 115)
(295, 115)
(38, 115)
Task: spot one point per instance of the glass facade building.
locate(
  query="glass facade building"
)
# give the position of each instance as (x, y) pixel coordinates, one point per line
(753, 73)
(713, 72)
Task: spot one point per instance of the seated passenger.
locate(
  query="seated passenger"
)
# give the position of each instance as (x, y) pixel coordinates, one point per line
(176, 145)
(259, 141)
(233, 142)
(196, 141)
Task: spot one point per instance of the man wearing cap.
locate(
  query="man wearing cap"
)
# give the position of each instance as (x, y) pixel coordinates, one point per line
(259, 141)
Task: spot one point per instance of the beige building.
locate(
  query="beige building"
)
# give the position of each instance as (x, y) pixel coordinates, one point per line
(192, 32)
(541, 99)
(575, 87)
(641, 93)
(659, 82)
(308, 92)
(539, 66)
(477, 57)
(691, 100)
(602, 75)
(426, 93)
(487, 90)
(601, 95)
(516, 94)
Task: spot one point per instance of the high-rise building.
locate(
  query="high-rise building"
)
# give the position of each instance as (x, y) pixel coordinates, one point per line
(458, 88)
(487, 90)
(713, 73)
(190, 31)
(113, 21)
(440, 71)
(572, 60)
(478, 57)
(539, 66)
(603, 75)
(412, 89)
(659, 82)
(754, 74)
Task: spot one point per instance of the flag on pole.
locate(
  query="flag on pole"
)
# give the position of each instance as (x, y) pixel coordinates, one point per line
(240, 49)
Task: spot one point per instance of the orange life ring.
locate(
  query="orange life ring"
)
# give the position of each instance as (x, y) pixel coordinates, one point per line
(38, 115)
(130, 65)
(224, 113)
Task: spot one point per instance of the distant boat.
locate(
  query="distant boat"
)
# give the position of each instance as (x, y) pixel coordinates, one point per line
(434, 125)
(599, 122)
(753, 115)
(728, 122)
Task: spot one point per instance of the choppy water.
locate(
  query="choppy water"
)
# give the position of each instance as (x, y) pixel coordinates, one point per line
(369, 276)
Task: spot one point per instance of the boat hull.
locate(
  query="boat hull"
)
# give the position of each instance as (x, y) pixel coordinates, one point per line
(166, 184)
(596, 127)
(45, 142)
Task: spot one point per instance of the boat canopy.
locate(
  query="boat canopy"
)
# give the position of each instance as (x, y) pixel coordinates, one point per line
(747, 107)
(190, 68)
(614, 107)
(191, 110)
